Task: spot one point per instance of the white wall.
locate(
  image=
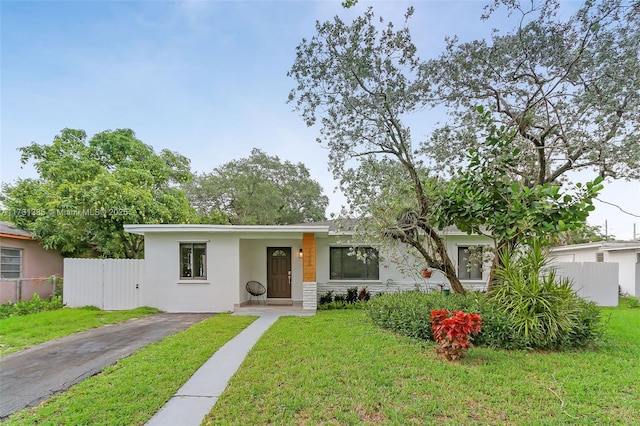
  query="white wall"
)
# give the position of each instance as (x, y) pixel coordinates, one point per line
(626, 260)
(393, 277)
(163, 287)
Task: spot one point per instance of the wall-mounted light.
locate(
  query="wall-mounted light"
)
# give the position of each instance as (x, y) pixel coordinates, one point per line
(300, 254)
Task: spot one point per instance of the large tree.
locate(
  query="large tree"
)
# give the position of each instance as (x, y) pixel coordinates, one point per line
(259, 190)
(364, 83)
(359, 82)
(88, 189)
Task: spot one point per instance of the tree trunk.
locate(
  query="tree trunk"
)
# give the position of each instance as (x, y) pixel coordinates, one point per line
(446, 266)
(451, 275)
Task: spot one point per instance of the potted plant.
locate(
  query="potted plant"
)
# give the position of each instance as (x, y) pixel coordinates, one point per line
(426, 273)
(443, 289)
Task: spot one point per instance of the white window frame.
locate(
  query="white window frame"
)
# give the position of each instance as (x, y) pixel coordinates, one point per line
(192, 244)
(467, 275)
(342, 248)
(4, 255)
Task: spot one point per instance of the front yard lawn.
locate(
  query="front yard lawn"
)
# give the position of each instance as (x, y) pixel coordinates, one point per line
(338, 368)
(21, 332)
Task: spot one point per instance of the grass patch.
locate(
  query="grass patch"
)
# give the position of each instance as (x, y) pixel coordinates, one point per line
(21, 332)
(133, 390)
(339, 368)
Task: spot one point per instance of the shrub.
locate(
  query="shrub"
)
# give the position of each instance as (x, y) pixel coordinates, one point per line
(25, 307)
(364, 294)
(530, 309)
(340, 298)
(409, 312)
(631, 302)
(326, 298)
(354, 299)
(352, 295)
(453, 331)
(542, 309)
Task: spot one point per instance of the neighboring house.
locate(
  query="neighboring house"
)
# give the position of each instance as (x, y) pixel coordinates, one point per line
(25, 265)
(625, 253)
(204, 268)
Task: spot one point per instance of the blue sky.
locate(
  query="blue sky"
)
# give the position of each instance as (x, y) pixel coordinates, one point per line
(204, 78)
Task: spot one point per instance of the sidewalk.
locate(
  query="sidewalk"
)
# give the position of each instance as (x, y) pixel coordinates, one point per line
(194, 399)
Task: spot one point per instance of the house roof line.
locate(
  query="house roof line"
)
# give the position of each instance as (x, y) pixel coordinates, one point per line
(192, 228)
(15, 236)
(601, 245)
(9, 230)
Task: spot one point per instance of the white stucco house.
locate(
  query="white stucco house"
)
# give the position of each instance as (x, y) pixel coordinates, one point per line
(204, 268)
(625, 253)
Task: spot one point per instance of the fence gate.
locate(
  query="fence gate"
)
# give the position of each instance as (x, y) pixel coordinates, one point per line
(109, 284)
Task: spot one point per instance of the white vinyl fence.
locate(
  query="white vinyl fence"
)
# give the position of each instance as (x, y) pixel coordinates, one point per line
(109, 284)
(594, 281)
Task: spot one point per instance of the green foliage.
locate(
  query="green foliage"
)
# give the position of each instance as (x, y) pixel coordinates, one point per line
(630, 301)
(506, 322)
(485, 197)
(542, 308)
(353, 299)
(26, 307)
(553, 83)
(409, 313)
(584, 234)
(326, 298)
(352, 294)
(88, 189)
(258, 190)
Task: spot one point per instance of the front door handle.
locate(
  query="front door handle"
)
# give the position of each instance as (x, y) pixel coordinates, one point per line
(289, 276)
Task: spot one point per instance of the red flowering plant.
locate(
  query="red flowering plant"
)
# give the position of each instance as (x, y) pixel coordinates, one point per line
(453, 331)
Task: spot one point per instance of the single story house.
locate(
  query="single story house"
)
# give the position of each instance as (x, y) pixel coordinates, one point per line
(205, 268)
(625, 253)
(25, 265)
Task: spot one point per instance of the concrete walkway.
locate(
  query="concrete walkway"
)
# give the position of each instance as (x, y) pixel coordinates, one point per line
(194, 399)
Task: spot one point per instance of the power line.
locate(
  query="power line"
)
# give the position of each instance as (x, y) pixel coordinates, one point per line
(619, 208)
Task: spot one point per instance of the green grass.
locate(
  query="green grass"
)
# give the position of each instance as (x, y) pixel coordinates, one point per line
(338, 368)
(21, 332)
(133, 390)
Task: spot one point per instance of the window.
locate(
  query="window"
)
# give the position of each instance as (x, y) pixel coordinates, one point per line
(11, 262)
(470, 263)
(346, 263)
(193, 260)
(599, 257)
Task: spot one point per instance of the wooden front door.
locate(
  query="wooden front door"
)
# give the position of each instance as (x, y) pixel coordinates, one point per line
(279, 272)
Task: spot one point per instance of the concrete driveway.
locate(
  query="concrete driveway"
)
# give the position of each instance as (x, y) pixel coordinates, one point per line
(35, 374)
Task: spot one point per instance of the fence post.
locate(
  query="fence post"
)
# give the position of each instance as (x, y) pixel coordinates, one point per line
(19, 290)
(54, 283)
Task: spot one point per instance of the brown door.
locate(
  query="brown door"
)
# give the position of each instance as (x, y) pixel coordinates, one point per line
(279, 272)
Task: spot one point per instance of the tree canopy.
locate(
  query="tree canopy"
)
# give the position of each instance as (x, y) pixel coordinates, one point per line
(553, 98)
(88, 189)
(569, 89)
(259, 190)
